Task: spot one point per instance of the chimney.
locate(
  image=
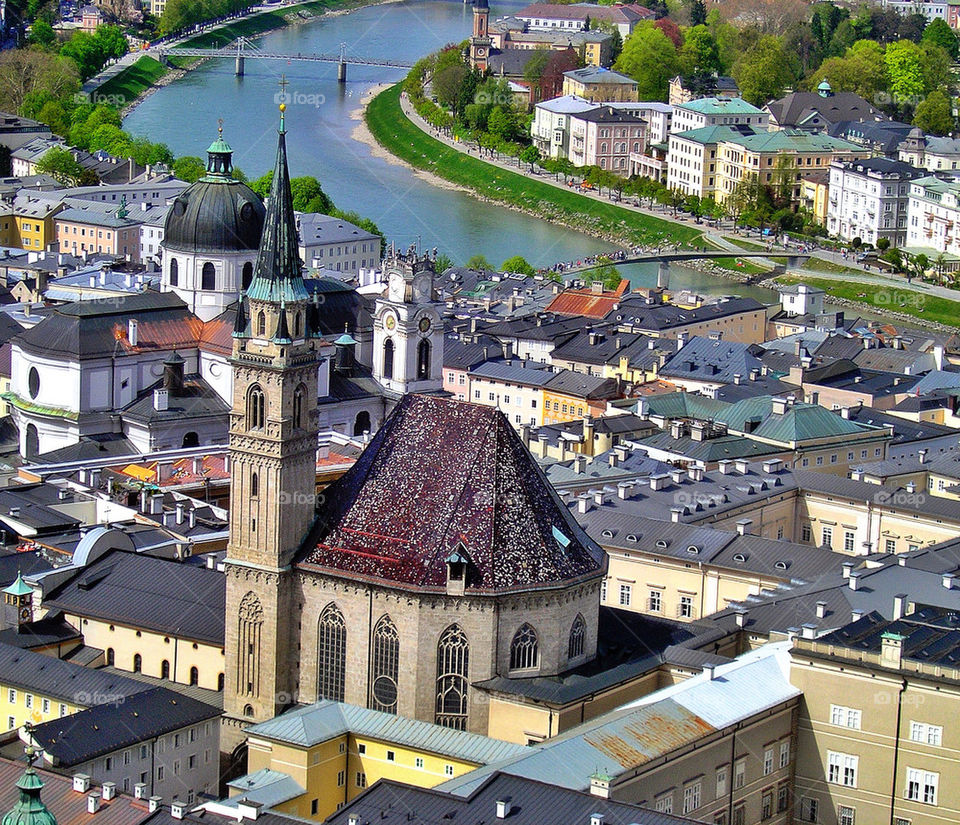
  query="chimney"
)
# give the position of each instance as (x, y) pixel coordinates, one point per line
(353, 819)
(613, 459)
(192, 518)
(579, 464)
(710, 671)
(93, 802)
(899, 602)
(623, 490)
(675, 513)
(596, 819)
(108, 791)
(81, 782)
(809, 631)
(599, 498)
(922, 456)
(854, 580)
(583, 504)
(725, 466)
(696, 473)
(856, 615)
(949, 581)
(177, 809)
(911, 487)
(179, 509)
(161, 400)
(153, 804)
(845, 413)
(755, 375)
(821, 609)
(600, 785)
(779, 406)
(156, 504)
(132, 332)
(741, 618)
(847, 567)
(743, 526)
(140, 790)
(891, 650)
(742, 465)
(503, 808)
(737, 379)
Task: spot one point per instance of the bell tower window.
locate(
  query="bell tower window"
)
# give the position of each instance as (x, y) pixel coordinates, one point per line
(423, 359)
(388, 358)
(298, 397)
(174, 272)
(256, 408)
(261, 324)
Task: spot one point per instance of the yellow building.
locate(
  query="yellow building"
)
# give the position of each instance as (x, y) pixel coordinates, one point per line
(814, 192)
(33, 222)
(332, 751)
(597, 84)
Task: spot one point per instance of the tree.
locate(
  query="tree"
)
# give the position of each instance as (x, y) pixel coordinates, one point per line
(478, 262)
(905, 67)
(531, 155)
(699, 53)
(934, 114)
(650, 58)
(307, 192)
(502, 123)
(671, 30)
(883, 244)
(861, 70)
(766, 16)
(23, 71)
(60, 164)
(606, 273)
(763, 71)
(939, 33)
(698, 12)
(447, 82)
(517, 264)
(935, 63)
(189, 168)
(42, 34)
(533, 71)
(442, 263)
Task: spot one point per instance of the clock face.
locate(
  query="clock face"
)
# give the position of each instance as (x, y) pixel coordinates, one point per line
(424, 324)
(390, 321)
(24, 614)
(481, 51)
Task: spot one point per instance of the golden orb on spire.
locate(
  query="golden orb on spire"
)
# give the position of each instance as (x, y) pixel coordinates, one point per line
(283, 107)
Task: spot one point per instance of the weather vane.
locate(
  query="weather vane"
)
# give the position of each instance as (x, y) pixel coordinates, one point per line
(220, 126)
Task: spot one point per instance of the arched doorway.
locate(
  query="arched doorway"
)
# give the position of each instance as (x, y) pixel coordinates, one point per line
(361, 424)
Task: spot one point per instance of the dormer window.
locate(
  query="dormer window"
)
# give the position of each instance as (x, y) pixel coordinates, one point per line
(457, 563)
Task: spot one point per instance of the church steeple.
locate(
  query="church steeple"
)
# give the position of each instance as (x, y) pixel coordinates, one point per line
(219, 158)
(29, 809)
(278, 275)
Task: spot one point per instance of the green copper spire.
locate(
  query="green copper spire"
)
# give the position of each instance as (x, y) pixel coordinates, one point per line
(19, 587)
(278, 275)
(219, 159)
(29, 810)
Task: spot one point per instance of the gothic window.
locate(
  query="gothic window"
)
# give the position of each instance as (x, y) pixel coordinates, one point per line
(137, 662)
(174, 272)
(247, 275)
(261, 324)
(208, 277)
(525, 649)
(299, 394)
(331, 654)
(386, 658)
(423, 359)
(250, 627)
(111, 657)
(297, 325)
(254, 485)
(165, 669)
(256, 404)
(194, 676)
(388, 358)
(453, 659)
(577, 633)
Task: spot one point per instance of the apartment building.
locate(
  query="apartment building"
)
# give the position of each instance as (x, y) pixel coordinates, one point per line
(868, 199)
(598, 84)
(933, 210)
(717, 111)
(935, 154)
(606, 137)
(550, 128)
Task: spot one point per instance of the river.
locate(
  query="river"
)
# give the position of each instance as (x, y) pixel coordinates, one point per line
(322, 115)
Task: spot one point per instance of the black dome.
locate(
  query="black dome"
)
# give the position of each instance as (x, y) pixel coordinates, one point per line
(214, 216)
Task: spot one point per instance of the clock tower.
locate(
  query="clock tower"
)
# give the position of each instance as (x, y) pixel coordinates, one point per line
(407, 327)
(480, 41)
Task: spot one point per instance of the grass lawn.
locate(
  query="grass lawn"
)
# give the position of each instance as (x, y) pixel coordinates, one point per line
(133, 81)
(889, 297)
(747, 245)
(406, 141)
(829, 266)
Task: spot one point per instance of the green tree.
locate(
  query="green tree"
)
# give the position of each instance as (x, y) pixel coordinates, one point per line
(763, 71)
(443, 263)
(502, 123)
(42, 34)
(306, 191)
(478, 262)
(189, 168)
(531, 155)
(905, 67)
(935, 64)
(650, 58)
(517, 264)
(699, 53)
(861, 70)
(606, 273)
(60, 164)
(533, 71)
(698, 12)
(934, 114)
(939, 33)
(27, 71)
(447, 82)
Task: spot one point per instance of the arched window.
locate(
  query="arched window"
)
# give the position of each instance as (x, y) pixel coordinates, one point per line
(165, 669)
(208, 277)
(256, 408)
(254, 485)
(297, 325)
(250, 628)
(220, 681)
(111, 656)
(191, 439)
(331, 654)
(361, 423)
(525, 649)
(453, 660)
(261, 324)
(388, 358)
(31, 445)
(299, 394)
(194, 676)
(386, 660)
(248, 711)
(247, 275)
(137, 663)
(174, 272)
(577, 633)
(423, 359)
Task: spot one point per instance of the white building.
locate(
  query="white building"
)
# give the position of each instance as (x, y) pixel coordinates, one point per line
(550, 129)
(692, 155)
(933, 217)
(928, 152)
(868, 200)
(718, 111)
(336, 245)
(931, 9)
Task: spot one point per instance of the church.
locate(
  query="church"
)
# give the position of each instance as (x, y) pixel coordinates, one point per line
(443, 557)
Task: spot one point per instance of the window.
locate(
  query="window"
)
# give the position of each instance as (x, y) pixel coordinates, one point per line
(331, 653)
(845, 815)
(314, 806)
(928, 734)
(768, 762)
(386, 666)
(664, 804)
(261, 324)
(577, 634)
(784, 754)
(256, 408)
(721, 782)
(739, 774)
(12, 695)
(45, 705)
(891, 545)
(685, 610)
(418, 762)
(655, 604)
(805, 533)
(740, 815)
(845, 717)
(341, 778)
(848, 540)
(691, 798)
(361, 779)
(766, 804)
(63, 710)
(922, 786)
(842, 769)
(299, 394)
(826, 537)
(362, 748)
(28, 700)
(388, 358)
(625, 591)
(208, 277)
(143, 752)
(525, 649)
(174, 272)
(448, 770)
(391, 756)
(783, 797)
(453, 661)
(247, 275)
(423, 360)
(11, 723)
(809, 810)
(160, 773)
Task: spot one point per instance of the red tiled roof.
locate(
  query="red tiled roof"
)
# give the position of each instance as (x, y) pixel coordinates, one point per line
(586, 303)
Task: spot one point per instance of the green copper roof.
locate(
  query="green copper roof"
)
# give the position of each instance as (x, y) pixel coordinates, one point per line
(220, 146)
(278, 275)
(345, 340)
(29, 809)
(19, 587)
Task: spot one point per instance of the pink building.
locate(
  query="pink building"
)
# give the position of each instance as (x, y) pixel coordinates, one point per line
(606, 137)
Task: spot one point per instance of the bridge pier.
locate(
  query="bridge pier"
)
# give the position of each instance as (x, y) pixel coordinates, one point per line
(239, 66)
(342, 71)
(663, 275)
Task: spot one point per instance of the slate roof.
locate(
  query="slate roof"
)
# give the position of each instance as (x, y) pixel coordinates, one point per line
(579, 385)
(406, 506)
(80, 737)
(703, 359)
(605, 346)
(658, 317)
(797, 107)
(886, 136)
(141, 591)
(316, 723)
(584, 11)
(196, 400)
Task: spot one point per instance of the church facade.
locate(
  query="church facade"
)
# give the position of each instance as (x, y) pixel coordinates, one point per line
(442, 558)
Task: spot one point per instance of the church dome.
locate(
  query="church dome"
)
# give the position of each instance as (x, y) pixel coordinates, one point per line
(217, 213)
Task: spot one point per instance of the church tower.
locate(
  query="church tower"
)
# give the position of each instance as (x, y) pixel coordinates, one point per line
(480, 41)
(407, 328)
(273, 451)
